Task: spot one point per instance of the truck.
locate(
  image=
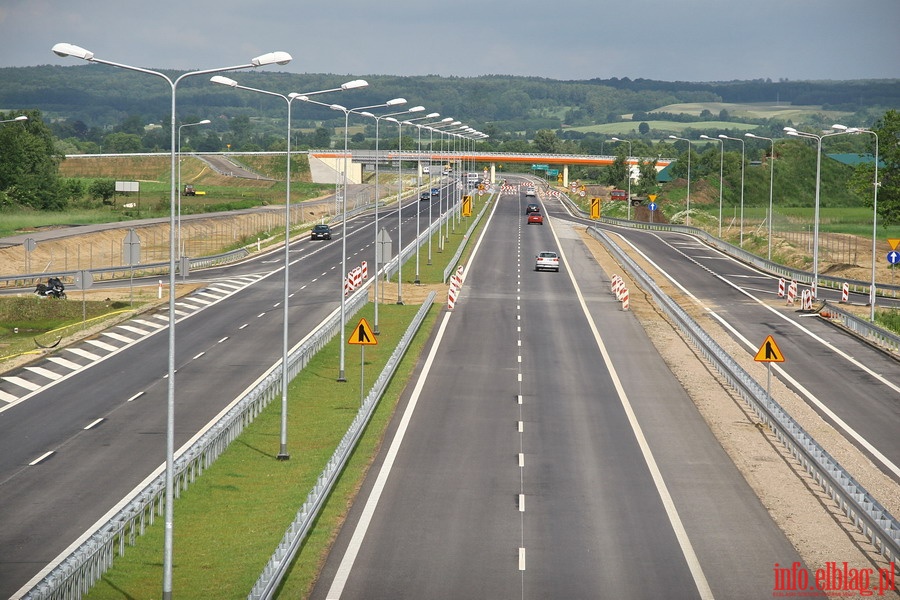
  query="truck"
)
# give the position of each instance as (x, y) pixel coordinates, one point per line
(190, 191)
(623, 196)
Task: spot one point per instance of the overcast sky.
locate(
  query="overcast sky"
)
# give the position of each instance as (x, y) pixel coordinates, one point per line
(686, 40)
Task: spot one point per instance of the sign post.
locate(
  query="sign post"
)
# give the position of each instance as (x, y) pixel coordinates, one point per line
(769, 353)
(362, 336)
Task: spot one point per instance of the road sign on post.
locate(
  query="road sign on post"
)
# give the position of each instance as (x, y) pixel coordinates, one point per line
(467, 206)
(595, 208)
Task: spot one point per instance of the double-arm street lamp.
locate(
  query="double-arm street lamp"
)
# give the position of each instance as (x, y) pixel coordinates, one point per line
(627, 172)
(378, 251)
(875, 184)
(419, 127)
(281, 58)
(445, 122)
(771, 183)
(288, 99)
(358, 110)
(793, 132)
(687, 218)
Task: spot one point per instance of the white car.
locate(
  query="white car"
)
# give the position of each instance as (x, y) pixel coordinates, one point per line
(530, 191)
(546, 261)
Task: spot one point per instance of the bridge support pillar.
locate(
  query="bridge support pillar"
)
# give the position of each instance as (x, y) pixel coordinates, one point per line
(565, 180)
(493, 173)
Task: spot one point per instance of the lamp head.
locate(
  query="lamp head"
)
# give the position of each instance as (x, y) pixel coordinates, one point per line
(433, 115)
(395, 102)
(391, 119)
(281, 58)
(204, 122)
(337, 107)
(66, 49)
(366, 113)
(21, 118)
(416, 109)
(356, 83)
(839, 127)
(221, 79)
(447, 120)
(789, 129)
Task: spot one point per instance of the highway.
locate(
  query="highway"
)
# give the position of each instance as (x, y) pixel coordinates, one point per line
(545, 450)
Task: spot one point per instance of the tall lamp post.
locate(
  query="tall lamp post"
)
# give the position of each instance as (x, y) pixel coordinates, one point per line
(288, 99)
(721, 164)
(771, 184)
(396, 101)
(445, 122)
(378, 119)
(627, 172)
(743, 160)
(687, 218)
(281, 58)
(875, 184)
(180, 245)
(433, 115)
(793, 132)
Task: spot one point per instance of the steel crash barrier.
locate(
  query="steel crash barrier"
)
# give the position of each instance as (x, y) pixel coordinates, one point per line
(867, 514)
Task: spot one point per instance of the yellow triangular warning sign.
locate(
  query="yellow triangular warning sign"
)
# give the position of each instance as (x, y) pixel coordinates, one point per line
(769, 352)
(362, 335)
(894, 242)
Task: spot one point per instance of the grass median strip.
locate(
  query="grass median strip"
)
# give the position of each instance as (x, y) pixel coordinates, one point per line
(229, 521)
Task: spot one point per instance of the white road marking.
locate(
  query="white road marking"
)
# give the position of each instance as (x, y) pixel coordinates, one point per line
(41, 458)
(94, 424)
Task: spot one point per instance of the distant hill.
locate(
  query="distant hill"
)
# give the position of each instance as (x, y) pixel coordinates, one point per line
(102, 96)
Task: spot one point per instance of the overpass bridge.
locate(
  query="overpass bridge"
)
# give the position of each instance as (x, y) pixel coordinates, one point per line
(358, 158)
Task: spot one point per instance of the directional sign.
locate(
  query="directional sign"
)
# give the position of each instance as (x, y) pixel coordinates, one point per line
(362, 335)
(652, 206)
(467, 206)
(769, 352)
(595, 208)
(894, 242)
(893, 257)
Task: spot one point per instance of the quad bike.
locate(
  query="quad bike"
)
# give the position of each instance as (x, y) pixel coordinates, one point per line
(54, 288)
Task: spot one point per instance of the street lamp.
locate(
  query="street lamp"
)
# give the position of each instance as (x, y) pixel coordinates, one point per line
(844, 129)
(743, 149)
(445, 122)
(378, 119)
(347, 111)
(19, 118)
(627, 172)
(721, 164)
(771, 183)
(180, 127)
(687, 219)
(793, 132)
(281, 58)
(419, 126)
(288, 99)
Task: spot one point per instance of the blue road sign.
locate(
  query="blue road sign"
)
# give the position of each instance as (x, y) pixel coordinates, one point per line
(893, 257)
(652, 206)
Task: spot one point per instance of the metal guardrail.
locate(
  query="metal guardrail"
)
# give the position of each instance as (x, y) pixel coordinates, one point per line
(886, 340)
(281, 559)
(867, 514)
(123, 272)
(87, 563)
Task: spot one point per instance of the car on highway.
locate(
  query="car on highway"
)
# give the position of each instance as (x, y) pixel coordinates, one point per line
(532, 208)
(435, 191)
(546, 260)
(320, 232)
(530, 191)
(424, 197)
(536, 218)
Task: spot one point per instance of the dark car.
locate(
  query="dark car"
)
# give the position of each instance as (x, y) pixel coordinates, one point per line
(435, 191)
(424, 197)
(320, 232)
(532, 208)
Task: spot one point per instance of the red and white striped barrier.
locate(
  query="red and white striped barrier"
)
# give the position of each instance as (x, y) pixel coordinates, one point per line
(806, 300)
(624, 298)
(347, 285)
(792, 293)
(365, 269)
(781, 287)
(456, 281)
(845, 293)
(616, 283)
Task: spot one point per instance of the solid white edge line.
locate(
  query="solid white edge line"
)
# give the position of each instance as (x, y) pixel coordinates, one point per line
(684, 541)
(346, 565)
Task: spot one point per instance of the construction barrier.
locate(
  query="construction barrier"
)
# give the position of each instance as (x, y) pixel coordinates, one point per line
(781, 287)
(806, 300)
(365, 270)
(624, 298)
(845, 293)
(792, 293)
(456, 281)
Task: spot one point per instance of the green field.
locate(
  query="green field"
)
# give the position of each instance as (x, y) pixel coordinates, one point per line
(631, 127)
(754, 110)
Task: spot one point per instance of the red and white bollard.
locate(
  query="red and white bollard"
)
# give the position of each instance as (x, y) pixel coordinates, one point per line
(624, 298)
(806, 300)
(781, 287)
(845, 293)
(792, 293)
(365, 269)
(159, 291)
